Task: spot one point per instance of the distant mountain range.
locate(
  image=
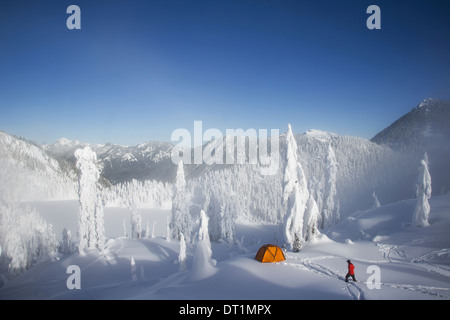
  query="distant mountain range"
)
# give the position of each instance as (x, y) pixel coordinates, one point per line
(27, 166)
(146, 161)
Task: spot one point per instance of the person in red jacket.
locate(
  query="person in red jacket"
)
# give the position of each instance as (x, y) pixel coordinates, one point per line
(351, 271)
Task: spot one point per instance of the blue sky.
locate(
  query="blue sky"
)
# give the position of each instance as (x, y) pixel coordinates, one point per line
(138, 70)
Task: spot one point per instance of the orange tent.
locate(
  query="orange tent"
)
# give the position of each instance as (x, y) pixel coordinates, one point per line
(270, 253)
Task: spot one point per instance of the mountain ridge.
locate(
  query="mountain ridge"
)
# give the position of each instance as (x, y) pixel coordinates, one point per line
(424, 129)
(152, 160)
(424, 124)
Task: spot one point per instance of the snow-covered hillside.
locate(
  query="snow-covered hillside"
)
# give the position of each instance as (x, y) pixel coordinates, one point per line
(28, 173)
(424, 129)
(360, 168)
(426, 123)
(404, 261)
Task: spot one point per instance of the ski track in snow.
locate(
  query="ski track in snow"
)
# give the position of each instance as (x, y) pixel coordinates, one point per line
(354, 290)
(431, 291)
(422, 262)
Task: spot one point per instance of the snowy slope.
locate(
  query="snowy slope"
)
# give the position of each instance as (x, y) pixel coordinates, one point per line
(414, 263)
(28, 173)
(362, 167)
(424, 124)
(424, 129)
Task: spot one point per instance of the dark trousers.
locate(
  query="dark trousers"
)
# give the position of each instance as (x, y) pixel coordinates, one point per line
(350, 275)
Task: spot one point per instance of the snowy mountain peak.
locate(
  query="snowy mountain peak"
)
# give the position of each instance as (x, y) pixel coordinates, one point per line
(424, 129)
(64, 142)
(428, 102)
(319, 133)
(424, 125)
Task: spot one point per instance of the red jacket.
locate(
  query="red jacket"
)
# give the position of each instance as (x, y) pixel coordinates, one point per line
(351, 269)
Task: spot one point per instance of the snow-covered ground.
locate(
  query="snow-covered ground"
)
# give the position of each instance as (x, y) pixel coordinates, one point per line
(412, 263)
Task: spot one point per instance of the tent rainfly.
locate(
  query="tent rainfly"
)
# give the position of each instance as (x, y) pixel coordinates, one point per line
(270, 253)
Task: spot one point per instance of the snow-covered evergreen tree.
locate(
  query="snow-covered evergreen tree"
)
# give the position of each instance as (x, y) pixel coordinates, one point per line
(147, 231)
(90, 219)
(136, 221)
(295, 194)
(311, 218)
(67, 245)
(227, 226)
(25, 237)
(203, 264)
(221, 222)
(153, 230)
(213, 209)
(182, 254)
(203, 232)
(148, 193)
(181, 217)
(100, 223)
(168, 231)
(124, 228)
(133, 269)
(423, 194)
(376, 202)
(316, 189)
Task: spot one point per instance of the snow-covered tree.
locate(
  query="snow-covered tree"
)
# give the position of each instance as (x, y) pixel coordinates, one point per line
(311, 218)
(25, 237)
(203, 232)
(213, 209)
(136, 221)
(90, 218)
(146, 232)
(376, 202)
(295, 194)
(168, 231)
(203, 264)
(423, 194)
(133, 269)
(153, 230)
(221, 223)
(67, 245)
(182, 255)
(181, 217)
(100, 223)
(148, 193)
(316, 188)
(227, 226)
(330, 211)
(124, 229)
